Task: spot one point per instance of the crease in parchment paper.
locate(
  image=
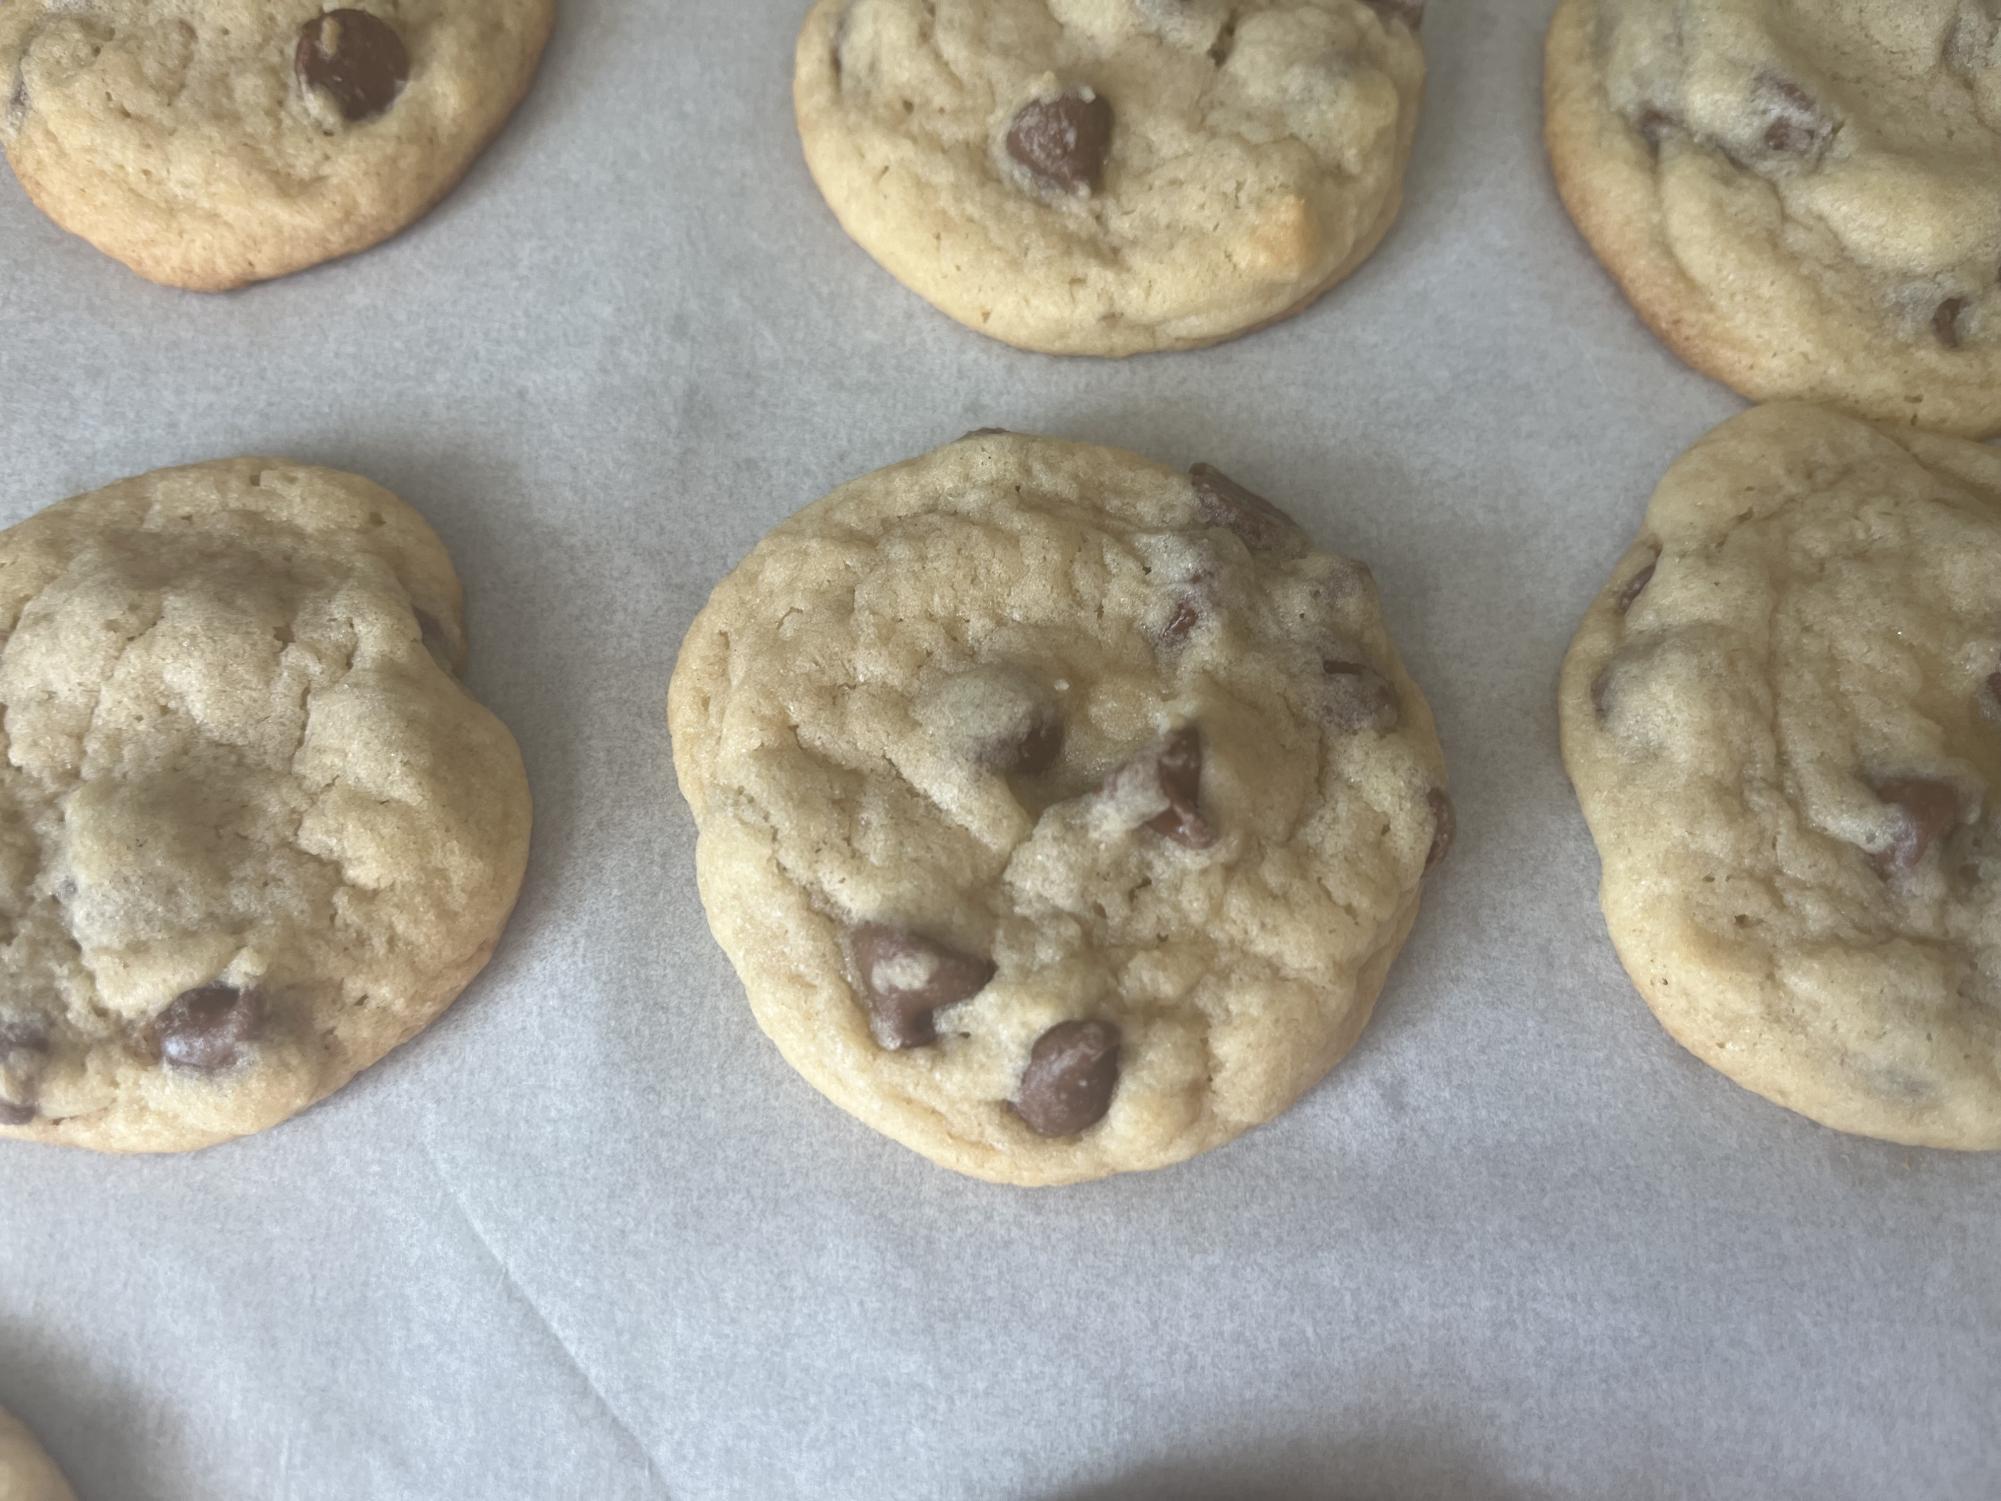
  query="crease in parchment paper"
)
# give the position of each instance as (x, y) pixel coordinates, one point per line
(526, 1299)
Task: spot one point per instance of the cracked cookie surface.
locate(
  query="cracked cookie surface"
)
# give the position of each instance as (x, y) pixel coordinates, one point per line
(26, 1473)
(1112, 176)
(1783, 719)
(211, 143)
(1062, 814)
(253, 833)
(1802, 197)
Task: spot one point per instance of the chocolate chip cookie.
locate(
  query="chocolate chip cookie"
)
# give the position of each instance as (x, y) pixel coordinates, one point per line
(1803, 200)
(1061, 813)
(26, 1473)
(210, 143)
(253, 833)
(1112, 176)
(1783, 717)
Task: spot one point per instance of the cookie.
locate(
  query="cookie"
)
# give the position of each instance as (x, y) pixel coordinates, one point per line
(1783, 718)
(1112, 176)
(1061, 813)
(1803, 201)
(26, 1473)
(253, 833)
(211, 143)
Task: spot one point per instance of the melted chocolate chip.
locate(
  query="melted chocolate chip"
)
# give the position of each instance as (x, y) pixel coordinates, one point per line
(1063, 140)
(1260, 525)
(1357, 697)
(1410, 12)
(1945, 322)
(1072, 1071)
(1444, 826)
(355, 58)
(1172, 770)
(1635, 587)
(207, 1029)
(1187, 615)
(1928, 810)
(1795, 125)
(907, 978)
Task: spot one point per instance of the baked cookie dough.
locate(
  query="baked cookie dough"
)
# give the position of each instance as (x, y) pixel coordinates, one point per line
(1112, 176)
(1061, 813)
(210, 143)
(1783, 717)
(253, 833)
(26, 1473)
(1803, 200)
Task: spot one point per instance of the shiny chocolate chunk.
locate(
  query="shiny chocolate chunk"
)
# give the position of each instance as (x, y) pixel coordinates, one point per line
(1354, 696)
(906, 979)
(1927, 810)
(1444, 826)
(1170, 770)
(209, 1028)
(356, 59)
(1064, 140)
(1072, 1071)
(1260, 525)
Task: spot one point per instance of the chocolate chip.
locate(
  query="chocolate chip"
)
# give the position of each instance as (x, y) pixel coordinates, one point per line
(207, 1029)
(1635, 587)
(1172, 770)
(1187, 615)
(1072, 1071)
(1444, 826)
(357, 59)
(1945, 322)
(1063, 140)
(1927, 809)
(1357, 697)
(1260, 525)
(1795, 124)
(1410, 12)
(906, 978)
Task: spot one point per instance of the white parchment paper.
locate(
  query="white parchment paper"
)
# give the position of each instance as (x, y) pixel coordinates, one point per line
(589, 1237)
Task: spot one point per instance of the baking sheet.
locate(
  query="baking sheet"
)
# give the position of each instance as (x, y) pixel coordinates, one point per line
(590, 1237)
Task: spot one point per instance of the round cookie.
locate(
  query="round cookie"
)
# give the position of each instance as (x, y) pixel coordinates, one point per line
(26, 1473)
(211, 143)
(1804, 201)
(253, 833)
(1062, 814)
(1112, 176)
(1783, 719)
